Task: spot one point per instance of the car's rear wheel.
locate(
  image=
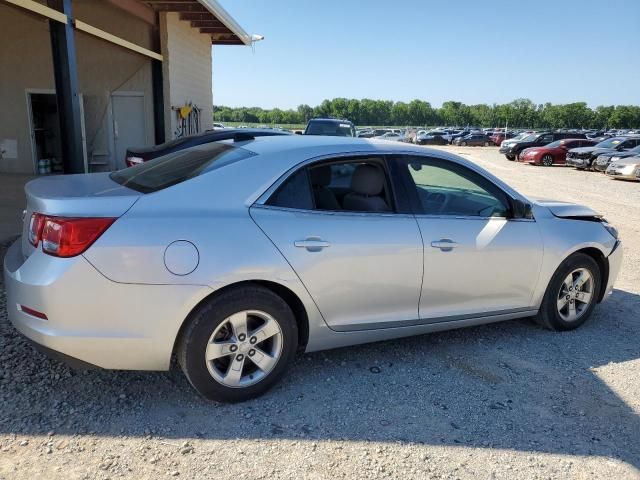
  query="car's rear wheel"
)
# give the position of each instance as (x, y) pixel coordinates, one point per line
(571, 294)
(547, 160)
(486, 144)
(510, 157)
(463, 144)
(519, 156)
(238, 344)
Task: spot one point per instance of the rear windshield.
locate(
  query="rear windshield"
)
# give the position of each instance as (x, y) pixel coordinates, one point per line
(323, 127)
(174, 168)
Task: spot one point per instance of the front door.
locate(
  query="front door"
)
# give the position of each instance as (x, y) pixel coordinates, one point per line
(128, 125)
(477, 261)
(336, 224)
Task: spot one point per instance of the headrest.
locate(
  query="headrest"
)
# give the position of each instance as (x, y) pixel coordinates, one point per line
(321, 176)
(367, 180)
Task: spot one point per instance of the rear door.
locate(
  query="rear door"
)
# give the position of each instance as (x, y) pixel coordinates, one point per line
(363, 267)
(477, 261)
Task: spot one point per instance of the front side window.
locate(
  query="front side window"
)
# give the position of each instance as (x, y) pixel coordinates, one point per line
(360, 185)
(444, 188)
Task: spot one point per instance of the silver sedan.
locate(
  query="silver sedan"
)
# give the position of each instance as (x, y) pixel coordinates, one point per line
(236, 255)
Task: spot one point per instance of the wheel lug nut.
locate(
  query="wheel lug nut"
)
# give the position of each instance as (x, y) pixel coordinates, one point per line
(242, 337)
(239, 357)
(233, 348)
(253, 340)
(252, 352)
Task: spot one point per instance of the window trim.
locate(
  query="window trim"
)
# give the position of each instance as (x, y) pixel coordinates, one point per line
(412, 194)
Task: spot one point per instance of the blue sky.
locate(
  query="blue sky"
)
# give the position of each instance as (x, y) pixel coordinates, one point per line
(468, 50)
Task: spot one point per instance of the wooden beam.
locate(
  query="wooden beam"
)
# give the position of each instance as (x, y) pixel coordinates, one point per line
(40, 9)
(223, 30)
(192, 16)
(96, 32)
(179, 7)
(207, 24)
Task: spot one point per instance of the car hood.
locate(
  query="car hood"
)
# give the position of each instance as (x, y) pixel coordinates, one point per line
(628, 161)
(566, 209)
(593, 150)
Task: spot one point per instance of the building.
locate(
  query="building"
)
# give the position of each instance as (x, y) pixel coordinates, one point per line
(81, 80)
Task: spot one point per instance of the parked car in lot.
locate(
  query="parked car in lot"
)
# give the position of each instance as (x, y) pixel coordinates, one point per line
(473, 140)
(625, 169)
(391, 136)
(136, 155)
(554, 153)
(583, 158)
(431, 138)
(332, 127)
(223, 255)
(603, 160)
(499, 137)
(512, 150)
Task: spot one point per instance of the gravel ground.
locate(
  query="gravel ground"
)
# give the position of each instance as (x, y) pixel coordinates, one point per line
(501, 401)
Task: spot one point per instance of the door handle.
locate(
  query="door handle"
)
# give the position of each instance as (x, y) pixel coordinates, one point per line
(312, 244)
(444, 244)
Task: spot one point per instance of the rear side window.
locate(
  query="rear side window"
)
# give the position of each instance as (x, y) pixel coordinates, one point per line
(174, 168)
(294, 193)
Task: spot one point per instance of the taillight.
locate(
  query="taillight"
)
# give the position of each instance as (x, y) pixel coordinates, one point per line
(66, 237)
(131, 161)
(35, 228)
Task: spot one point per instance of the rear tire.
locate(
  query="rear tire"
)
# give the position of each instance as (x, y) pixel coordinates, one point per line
(486, 144)
(463, 144)
(547, 160)
(225, 363)
(510, 157)
(568, 303)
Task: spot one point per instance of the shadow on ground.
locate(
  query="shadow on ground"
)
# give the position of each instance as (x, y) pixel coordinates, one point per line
(508, 386)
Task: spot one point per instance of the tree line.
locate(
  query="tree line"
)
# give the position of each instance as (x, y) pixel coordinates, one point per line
(518, 113)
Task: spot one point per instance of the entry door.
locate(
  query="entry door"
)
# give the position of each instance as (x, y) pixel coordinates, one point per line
(477, 261)
(128, 125)
(363, 269)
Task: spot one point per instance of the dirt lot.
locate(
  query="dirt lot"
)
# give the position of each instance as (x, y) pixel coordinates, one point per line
(502, 401)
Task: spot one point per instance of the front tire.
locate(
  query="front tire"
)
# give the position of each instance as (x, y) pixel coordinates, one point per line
(510, 157)
(239, 344)
(571, 294)
(463, 144)
(547, 160)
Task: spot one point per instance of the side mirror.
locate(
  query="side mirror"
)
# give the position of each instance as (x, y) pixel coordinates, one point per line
(520, 209)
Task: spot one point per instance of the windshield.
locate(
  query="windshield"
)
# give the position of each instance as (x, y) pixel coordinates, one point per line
(610, 143)
(174, 168)
(331, 128)
(530, 138)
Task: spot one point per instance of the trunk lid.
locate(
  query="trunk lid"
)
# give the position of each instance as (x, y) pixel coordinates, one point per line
(85, 195)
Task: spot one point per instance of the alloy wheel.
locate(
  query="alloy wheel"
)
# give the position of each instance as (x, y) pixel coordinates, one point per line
(547, 160)
(575, 295)
(244, 348)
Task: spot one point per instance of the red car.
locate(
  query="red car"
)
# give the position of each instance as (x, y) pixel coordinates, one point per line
(497, 138)
(553, 153)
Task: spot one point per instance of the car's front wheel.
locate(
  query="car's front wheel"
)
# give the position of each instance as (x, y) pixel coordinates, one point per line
(239, 344)
(510, 157)
(547, 160)
(571, 294)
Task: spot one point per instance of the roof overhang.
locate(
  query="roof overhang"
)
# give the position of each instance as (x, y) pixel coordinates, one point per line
(208, 16)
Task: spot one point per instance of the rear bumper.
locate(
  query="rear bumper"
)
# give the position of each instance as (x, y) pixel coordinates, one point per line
(615, 262)
(92, 319)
